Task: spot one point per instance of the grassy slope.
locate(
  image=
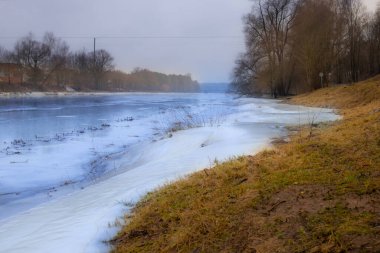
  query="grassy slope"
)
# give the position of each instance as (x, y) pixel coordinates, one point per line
(318, 193)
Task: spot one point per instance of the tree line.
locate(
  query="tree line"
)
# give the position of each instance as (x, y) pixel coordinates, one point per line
(294, 46)
(48, 64)
(146, 80)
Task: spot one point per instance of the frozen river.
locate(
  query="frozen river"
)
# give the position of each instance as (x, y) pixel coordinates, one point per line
(53, 145)
(69, 164)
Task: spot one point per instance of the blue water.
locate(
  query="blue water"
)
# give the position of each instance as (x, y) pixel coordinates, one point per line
(51, 142)
(52, 145)
(28, 117)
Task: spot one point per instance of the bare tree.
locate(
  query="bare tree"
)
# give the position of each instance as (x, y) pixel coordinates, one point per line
(374, 44)
(291, 41)
(354, 16)
(4, 55)
(80, 61)
(248, 68)
(99, 65)
(78, 64)
(59, 52)
(32, 55)
(267, 30)
(313, 40)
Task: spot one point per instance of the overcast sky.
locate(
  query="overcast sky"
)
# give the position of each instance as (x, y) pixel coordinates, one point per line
(207, 59)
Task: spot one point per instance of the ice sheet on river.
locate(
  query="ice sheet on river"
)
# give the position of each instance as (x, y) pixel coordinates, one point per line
(79, 221)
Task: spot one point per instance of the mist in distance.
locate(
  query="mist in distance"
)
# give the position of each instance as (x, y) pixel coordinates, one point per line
(208, 59)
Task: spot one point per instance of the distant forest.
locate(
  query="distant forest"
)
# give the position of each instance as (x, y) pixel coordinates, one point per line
(49, 65)
(146, 80)
(294, 46)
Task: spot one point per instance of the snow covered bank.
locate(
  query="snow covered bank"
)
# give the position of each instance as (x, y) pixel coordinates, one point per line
(80, 221)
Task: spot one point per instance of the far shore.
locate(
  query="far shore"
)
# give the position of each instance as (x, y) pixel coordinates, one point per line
(56, 93)
(76, 93)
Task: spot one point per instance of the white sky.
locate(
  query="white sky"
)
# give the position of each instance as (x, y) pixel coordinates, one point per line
(371, 4)
(208, 60)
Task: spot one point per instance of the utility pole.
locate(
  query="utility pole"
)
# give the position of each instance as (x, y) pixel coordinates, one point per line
(94, 51)
(94, 66)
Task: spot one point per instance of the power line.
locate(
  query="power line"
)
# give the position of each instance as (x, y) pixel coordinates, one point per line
(171, 37)
(139, 37)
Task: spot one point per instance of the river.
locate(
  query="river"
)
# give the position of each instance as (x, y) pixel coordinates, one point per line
(71, 165)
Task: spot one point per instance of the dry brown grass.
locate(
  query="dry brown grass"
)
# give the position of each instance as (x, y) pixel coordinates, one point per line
(314, 194)
(343, 97)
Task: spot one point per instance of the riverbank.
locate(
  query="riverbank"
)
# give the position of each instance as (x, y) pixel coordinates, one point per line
(37, 94)
(318, 193)
(41, 94)
(65, 143)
